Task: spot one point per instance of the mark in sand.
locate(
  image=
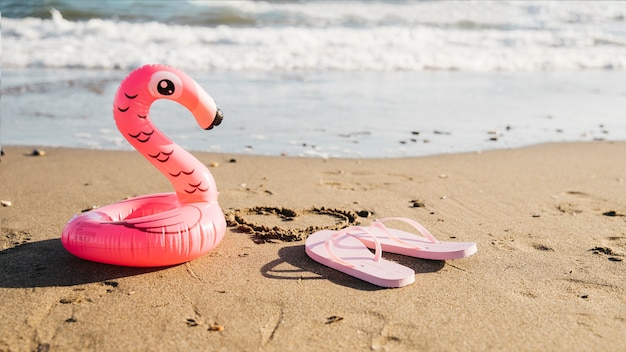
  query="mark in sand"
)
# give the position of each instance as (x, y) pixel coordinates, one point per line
(295, 225)
(609, 248)
(542, 247)
(333, 319)
(14, 238)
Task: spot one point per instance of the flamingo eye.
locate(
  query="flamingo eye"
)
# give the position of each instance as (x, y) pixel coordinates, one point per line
(164, 84)
(165, 87)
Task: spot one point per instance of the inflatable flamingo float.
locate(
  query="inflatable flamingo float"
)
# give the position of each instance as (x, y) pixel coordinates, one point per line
(158, 229)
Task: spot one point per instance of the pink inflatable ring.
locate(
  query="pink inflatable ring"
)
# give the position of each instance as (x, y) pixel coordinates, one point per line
(158, 229)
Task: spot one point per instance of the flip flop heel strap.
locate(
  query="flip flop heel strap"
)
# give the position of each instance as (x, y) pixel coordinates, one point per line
(421, 229)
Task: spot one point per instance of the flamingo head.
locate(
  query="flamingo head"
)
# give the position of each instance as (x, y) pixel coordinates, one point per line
(153, 82)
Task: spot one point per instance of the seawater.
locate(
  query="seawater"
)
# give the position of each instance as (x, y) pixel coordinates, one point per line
(319, 78)
(316, 35)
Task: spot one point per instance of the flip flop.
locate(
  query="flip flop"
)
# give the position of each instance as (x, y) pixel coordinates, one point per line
(346, 253)
(405, 243)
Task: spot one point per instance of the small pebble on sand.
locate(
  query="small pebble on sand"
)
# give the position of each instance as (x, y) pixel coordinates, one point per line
(418, 203)
(365, 213)
(216, 327)
(6, 203)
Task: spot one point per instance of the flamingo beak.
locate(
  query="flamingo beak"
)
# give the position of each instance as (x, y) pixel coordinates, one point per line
(207, 114)
(219, 117)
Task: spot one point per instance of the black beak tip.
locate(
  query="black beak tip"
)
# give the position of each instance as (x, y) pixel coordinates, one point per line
(219, 117)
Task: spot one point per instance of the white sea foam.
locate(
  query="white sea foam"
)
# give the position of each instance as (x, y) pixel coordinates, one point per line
(340, 36)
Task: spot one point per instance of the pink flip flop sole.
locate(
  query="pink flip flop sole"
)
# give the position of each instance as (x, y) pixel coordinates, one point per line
(349, 255)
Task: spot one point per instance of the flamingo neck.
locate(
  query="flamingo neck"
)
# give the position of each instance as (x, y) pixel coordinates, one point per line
(190, 178)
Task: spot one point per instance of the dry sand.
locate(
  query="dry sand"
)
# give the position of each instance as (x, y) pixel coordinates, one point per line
(549, 274)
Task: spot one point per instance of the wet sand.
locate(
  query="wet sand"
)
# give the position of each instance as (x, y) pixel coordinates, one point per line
(549, 222)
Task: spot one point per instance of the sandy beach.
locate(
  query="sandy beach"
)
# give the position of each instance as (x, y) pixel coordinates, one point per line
(549, 222)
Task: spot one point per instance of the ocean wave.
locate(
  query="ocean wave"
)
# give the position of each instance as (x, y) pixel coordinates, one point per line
(335, 36)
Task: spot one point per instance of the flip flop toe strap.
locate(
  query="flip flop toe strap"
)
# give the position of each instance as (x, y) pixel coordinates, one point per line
(330, 242)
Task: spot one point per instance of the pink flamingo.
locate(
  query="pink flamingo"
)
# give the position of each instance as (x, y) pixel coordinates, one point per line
(165, 228)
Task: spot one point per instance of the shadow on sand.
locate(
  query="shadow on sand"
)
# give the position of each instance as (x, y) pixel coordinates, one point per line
(308, 269)
(46, 264)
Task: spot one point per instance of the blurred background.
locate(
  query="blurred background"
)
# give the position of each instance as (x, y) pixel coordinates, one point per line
(322, 78)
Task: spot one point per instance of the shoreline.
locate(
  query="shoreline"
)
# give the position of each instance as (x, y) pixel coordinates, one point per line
(331, 114)
(548, 221)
